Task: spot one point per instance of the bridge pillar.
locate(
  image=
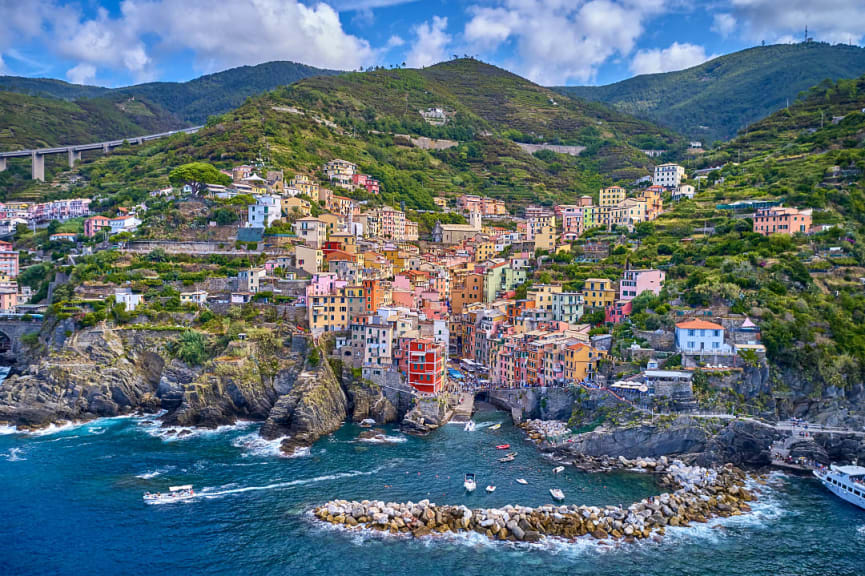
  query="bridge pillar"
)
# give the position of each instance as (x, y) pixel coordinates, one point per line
(139, 140)
(74, 156)
(37, 169)
(3, 164)
(105, 148)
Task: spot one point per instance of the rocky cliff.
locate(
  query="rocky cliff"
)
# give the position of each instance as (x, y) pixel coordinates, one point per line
(316, 405)
(94, 373)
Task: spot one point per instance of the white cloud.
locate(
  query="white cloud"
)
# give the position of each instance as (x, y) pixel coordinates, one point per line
(676, 57)
(2, 65)
(431, 41)
(556, 41)
(724, 24)
(394, 42)
(827, 20)
(149, 31)
(81, 74)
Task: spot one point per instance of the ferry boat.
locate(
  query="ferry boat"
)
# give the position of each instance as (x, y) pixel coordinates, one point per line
(174, 494)
(846, 482)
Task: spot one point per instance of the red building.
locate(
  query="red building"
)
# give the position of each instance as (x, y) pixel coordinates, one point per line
(373, 295)
(618, 311)
(366, 181)
(426, 365)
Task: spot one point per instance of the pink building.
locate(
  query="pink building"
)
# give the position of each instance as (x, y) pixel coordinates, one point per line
(324, 284)
(635, 282)
(618, 311)
(366, 181)
(8, 260)
(572, 218)
(95, 224)
(780, 220)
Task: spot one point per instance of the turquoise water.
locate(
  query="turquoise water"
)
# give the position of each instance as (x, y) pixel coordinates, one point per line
(70, 503)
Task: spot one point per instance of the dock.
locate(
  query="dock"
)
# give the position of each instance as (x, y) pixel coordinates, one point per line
(464, 408)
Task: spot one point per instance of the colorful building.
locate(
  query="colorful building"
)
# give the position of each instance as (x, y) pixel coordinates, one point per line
(426, 365)
(780, 220)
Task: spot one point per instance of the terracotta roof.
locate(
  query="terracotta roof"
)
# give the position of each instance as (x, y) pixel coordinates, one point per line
(699, 325)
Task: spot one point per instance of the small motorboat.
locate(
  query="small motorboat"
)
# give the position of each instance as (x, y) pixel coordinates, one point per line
(558, 469)
(522, 481)
(470, 426)
(503, 446)
(508, 458)
(491, 489)
(557, 494)
(367, 422)
(495, 426)
(174, 494)
(469, 482)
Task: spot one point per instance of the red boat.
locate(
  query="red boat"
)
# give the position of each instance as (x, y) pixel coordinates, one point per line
(503, 446)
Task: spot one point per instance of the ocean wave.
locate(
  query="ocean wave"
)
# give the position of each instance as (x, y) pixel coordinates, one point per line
(154, 473)
(861, 531)
(155, 429)
(255, 445)
(14, 455)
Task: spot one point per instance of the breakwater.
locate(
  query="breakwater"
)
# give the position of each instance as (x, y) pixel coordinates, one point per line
(697, 494)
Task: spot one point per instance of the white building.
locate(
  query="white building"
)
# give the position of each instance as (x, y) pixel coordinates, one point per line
(266, 210)
(567, 307)
(668, 175)
(124, 224)
(129, 300)
(198, 297)
(683, 191)
(700, 337)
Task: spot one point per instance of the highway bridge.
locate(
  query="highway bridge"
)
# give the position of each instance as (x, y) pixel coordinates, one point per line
(37, 155)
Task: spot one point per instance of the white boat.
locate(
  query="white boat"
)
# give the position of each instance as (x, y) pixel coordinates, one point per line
(495, 426)
(469, 482)
(367, 422)
(846, 482)
(174, 494)
(521, 481)
(508, 458)
(470, 426)
(491, 489)
(557, 494)
(558, 469)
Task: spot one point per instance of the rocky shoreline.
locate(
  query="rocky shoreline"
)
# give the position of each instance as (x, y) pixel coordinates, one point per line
(698, 494)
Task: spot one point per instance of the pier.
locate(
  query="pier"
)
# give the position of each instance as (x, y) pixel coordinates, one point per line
(464, 407)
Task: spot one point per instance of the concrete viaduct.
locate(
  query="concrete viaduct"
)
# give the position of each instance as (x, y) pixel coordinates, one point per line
(37, 156)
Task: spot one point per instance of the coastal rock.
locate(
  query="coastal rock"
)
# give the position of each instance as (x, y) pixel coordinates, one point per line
(315, 406)
(366, 400)
(743, 443)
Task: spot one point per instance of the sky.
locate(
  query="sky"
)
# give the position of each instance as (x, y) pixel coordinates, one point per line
(552, 42)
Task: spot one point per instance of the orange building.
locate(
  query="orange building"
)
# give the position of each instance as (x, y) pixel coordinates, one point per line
(780, 220)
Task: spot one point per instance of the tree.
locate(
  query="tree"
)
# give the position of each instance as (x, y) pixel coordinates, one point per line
(197, 175)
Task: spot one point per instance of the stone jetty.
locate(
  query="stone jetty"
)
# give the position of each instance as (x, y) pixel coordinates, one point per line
(697, 495)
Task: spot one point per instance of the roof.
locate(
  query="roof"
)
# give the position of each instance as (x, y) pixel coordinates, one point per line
(699, 325)
(851, 470)
(748, 324)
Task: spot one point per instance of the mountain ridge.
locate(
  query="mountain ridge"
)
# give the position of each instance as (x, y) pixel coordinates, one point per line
(715, 99)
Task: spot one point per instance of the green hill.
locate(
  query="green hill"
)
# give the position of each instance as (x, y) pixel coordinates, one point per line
(191, 101)
(32, 121)
(714, 100)
(358, 117)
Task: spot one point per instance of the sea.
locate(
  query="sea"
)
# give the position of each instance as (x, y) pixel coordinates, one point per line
(71, 504)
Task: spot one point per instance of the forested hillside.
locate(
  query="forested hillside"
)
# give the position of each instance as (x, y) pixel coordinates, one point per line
(359, 117)
(191, 101)
(714, 100)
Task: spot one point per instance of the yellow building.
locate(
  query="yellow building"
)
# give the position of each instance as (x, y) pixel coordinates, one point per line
(305, 185)
(347, 242)
(328, 313)
(545, 239)
(397, 259)
(542, 295)
(292, 205)
(581, 361)
(484, 251)
(331, 222)
(440, 202)
(599, 292)
(612, 196)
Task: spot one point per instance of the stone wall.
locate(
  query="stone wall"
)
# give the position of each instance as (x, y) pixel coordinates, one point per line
(659, 339)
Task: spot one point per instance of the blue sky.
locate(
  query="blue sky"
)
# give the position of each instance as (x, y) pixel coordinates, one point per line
(119, 42)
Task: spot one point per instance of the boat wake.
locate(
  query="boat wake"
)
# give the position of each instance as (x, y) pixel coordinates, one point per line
(384, 439)
(227, 490)
(153, 473)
